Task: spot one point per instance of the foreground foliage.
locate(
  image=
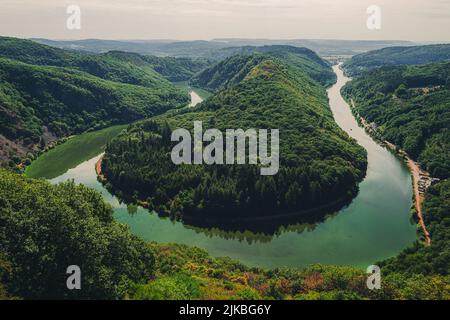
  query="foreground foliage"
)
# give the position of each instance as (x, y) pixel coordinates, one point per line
(44, 229)
(190, 273)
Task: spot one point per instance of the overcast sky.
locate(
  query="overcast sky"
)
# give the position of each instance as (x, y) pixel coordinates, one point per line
(417, 20)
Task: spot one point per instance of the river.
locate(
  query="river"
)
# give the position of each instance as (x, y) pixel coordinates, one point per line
(375, 226)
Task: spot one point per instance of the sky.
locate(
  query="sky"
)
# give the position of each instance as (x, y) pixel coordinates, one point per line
(415, 20)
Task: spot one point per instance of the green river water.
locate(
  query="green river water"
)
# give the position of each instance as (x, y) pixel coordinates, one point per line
(376, 225)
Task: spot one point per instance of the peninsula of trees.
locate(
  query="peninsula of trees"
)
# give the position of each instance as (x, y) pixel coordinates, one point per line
(320, 165)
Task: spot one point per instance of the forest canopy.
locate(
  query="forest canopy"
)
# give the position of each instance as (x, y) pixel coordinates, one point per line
(46, 228)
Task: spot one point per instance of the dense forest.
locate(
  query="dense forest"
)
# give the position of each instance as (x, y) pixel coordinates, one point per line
(44, 229)
(395, 56)
(409, 106)
(320, 165)
(190, 273)
(38, 102)
(48, 93)
(71, 224)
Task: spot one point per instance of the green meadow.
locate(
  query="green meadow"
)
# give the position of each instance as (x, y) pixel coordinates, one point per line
(184, 85)
(68, 155)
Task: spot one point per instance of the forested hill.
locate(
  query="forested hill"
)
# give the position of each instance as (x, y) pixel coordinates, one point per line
(58, 101)
(41, 103)
(410, 107)
(236, 64)
(226, 73)
(393, 56)
(320, 164)
(177, 69)
(279, 50)
(117, 66)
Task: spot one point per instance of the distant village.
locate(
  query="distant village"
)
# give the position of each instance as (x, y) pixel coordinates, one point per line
(425, 181)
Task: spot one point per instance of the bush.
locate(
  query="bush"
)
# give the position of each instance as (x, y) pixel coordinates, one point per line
(176, 287)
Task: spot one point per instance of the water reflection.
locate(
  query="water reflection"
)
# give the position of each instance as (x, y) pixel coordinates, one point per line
(267, 228)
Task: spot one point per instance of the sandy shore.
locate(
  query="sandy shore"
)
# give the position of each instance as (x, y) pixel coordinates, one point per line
(416, 172)
(98, 169)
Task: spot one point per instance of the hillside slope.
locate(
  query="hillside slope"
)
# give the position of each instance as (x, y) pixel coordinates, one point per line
(47, 93)
(39, 104)
(47, 228)
(231, 69)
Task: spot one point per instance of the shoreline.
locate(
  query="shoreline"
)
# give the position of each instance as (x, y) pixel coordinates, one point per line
(98, 170)
(416, 171)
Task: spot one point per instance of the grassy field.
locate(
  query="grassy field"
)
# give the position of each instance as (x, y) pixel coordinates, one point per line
(184, 85)
(71, 153)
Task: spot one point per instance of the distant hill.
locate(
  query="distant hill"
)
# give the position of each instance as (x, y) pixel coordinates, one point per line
(220, 75)
(147, 47)
(397, 56)
(209, 49)
(117, 66)
(323, 47)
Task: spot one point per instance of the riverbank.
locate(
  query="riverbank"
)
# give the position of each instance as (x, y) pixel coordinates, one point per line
(421, 179)
(98, 170)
